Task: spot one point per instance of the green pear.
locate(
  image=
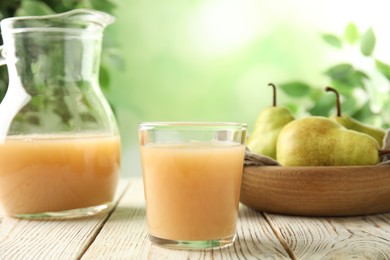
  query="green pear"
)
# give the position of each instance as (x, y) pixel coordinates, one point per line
(319, 141)
(269, 123)
(353, 124)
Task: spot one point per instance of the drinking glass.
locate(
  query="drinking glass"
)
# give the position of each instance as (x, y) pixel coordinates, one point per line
(192, 176)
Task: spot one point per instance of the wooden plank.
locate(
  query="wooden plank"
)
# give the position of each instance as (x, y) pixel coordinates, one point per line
(365, 237)
(54, 239)
(124, 235)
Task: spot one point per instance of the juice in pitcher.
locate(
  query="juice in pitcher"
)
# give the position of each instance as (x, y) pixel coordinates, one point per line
(46, 175)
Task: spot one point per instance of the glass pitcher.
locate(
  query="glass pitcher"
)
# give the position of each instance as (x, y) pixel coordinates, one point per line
(59, 142)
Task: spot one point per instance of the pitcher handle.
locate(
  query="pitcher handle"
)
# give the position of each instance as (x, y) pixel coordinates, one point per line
(2, 58)
(15, 98)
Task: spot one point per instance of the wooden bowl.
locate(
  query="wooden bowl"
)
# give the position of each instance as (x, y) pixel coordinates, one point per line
(317, 191)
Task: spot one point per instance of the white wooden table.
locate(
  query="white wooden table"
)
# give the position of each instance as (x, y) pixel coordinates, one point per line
(122, 234)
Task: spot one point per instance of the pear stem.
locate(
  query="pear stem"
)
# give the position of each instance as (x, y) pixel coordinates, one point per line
(383, 152)
(337, 99)
(274, 94)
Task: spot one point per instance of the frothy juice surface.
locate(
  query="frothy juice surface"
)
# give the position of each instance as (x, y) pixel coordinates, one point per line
(56, 173)
(192, 191)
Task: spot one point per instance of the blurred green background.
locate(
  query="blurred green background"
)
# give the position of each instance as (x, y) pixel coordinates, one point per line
(211, 60)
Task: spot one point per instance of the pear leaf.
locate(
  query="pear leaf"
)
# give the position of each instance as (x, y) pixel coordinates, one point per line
(367, 44)
(104, 78)
(358, 78)
(351, 105)
(332, 40)
(383, 68)
(351, 33)
(355, 79)
(340, 71)
(322, 106)
(32, 8)
(295, 89)
(364, 113)
(362, 74)
(102, 5)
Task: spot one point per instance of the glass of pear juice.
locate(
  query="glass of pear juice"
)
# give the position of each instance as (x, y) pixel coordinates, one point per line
(192, 178)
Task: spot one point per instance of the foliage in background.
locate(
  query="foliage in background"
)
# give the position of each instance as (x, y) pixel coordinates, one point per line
(110, 53)
(365, 91)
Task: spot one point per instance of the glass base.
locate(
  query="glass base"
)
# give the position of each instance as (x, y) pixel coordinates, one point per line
(67, 214)
(192, 244)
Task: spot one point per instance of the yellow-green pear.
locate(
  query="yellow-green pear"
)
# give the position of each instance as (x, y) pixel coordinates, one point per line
(319, 141)
(353, 124)
(267, 127)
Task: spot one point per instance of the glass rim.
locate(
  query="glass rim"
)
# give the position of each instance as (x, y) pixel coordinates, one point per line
(190, 124)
